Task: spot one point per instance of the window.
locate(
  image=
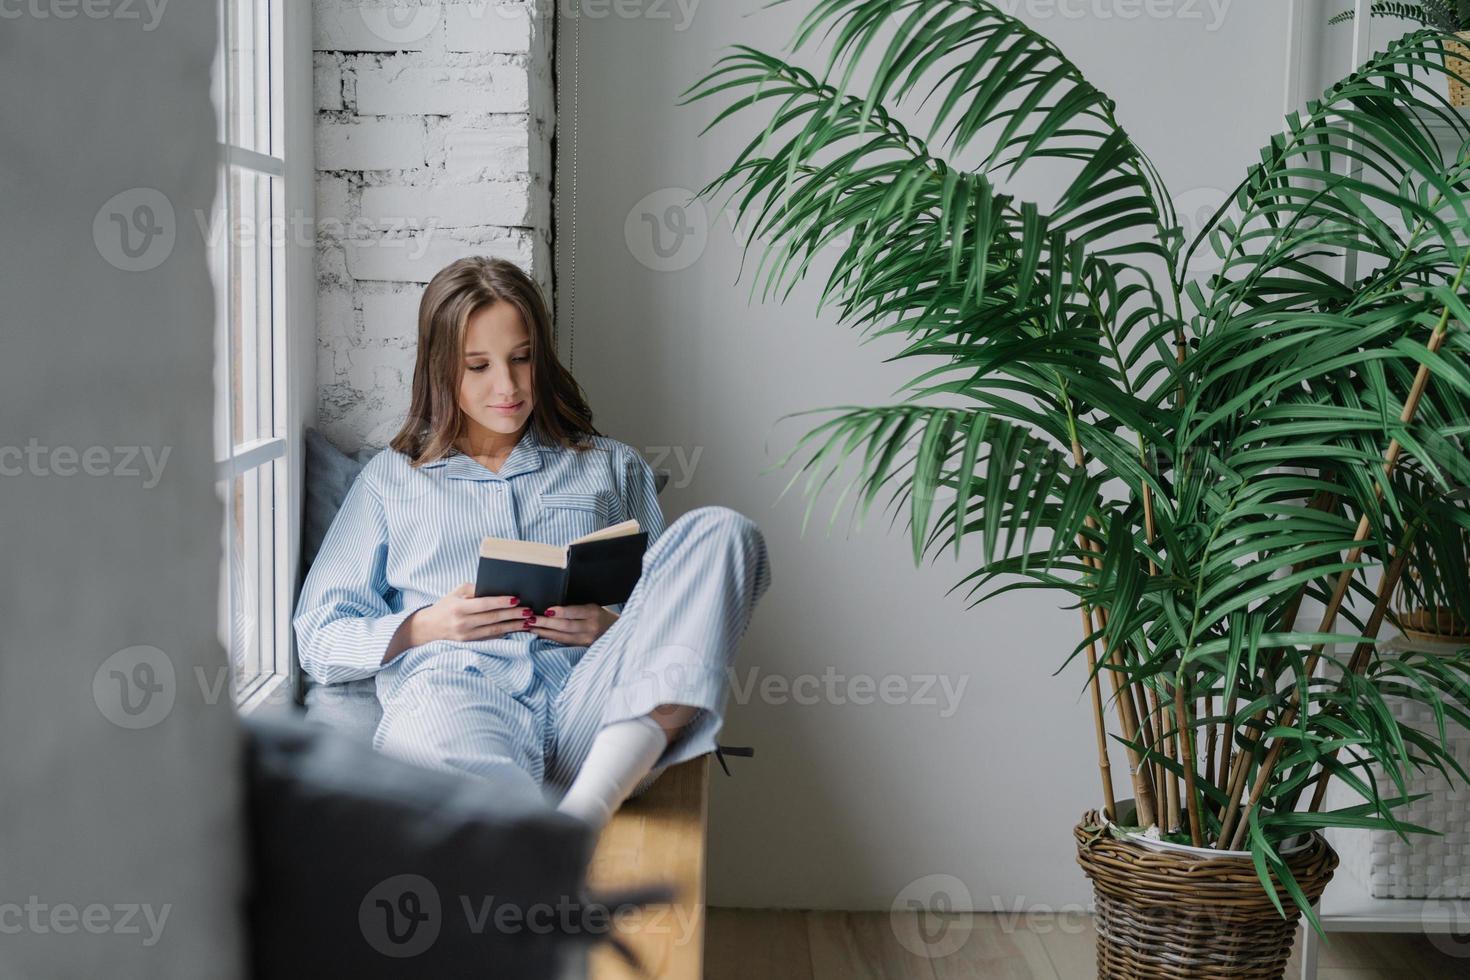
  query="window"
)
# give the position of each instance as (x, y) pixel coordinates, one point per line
(262, 336)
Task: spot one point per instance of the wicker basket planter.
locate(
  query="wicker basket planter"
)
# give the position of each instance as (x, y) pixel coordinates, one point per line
(1437, 626)
(1189, 914)
(1459, 92)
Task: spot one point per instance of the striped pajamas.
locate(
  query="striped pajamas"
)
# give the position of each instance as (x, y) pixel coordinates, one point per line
(520, 706)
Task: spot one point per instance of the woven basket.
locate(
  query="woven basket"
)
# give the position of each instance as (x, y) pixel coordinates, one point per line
(1184, 916)
(1426, 866)
(1459, 92)
(1437, 625)
(1429, 623)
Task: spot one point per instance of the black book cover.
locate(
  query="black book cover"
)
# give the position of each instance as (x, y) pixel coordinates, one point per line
(598, 572)
(604, 572)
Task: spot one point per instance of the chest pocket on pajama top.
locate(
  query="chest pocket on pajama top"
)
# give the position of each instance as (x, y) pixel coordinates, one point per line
(565, 516)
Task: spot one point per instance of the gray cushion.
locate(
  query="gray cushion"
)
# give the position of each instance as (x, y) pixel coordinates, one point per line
(351, 708)
(329, 475)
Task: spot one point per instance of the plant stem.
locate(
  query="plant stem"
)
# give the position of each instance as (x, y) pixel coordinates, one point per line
(1104, 767)
(1211, 737)
(1142, 789)
(1363, 651)
(1227, 726)
(1186, 752)
(1170, 788)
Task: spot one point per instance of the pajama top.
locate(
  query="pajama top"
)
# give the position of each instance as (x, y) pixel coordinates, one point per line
(406, 537)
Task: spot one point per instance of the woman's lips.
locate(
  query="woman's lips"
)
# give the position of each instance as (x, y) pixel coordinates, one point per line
(508, 409)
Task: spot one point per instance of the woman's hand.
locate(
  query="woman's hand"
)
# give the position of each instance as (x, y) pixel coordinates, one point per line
(573, 626)
(460, 616)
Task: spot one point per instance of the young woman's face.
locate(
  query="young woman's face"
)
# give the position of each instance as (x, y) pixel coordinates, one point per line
(496, 389)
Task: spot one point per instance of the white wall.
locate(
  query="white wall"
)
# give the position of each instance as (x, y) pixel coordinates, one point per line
(433, 142)
(111, 565)
(845, 804)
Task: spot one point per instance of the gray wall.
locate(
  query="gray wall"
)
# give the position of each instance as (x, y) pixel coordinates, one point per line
(110, 821)
(845, 803)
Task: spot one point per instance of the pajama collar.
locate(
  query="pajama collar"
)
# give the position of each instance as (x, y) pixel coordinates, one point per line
(526, 457)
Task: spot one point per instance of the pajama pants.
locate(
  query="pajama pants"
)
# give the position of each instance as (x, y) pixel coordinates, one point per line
(673, 644)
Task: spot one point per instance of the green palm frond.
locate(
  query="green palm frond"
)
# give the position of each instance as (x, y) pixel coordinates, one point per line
(1444, 15)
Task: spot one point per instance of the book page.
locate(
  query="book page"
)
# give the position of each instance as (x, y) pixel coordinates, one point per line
(531, 552)
(616, 531)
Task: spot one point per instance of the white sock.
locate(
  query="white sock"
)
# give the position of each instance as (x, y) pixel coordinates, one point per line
(621, 755)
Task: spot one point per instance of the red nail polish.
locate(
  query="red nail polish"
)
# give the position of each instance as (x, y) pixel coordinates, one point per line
(515, 601)
(530, 620)
(550, 612)
(527, 612)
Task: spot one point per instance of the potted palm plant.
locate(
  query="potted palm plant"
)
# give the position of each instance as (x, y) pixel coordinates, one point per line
(1193, 463)
(1446, 16)
(1432, 603)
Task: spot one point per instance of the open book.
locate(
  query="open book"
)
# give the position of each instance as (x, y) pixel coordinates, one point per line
(599, 568)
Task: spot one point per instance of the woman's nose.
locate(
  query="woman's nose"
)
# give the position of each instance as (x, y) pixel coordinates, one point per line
(502, 381)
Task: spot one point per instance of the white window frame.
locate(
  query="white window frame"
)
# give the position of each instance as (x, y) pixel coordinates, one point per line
(272, 524)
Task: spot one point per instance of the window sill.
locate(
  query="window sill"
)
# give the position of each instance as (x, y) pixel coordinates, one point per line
(273, 691)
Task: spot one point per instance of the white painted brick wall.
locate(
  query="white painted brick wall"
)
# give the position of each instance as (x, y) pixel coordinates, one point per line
(396, 89)
(500, 27)
(503, 203)
(415, 258)
(327, 83)
(434, 128)
(369, 144)
(394, 314)
(475, 153)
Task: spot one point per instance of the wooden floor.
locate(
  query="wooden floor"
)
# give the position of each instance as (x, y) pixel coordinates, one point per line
(749, 944)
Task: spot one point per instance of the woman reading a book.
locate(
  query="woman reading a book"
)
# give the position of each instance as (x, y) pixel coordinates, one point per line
(499, 442)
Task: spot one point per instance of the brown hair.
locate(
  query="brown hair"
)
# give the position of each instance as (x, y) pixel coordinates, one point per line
(559, 411)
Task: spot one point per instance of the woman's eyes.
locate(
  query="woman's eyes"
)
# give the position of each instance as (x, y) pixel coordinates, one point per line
(518, 359)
